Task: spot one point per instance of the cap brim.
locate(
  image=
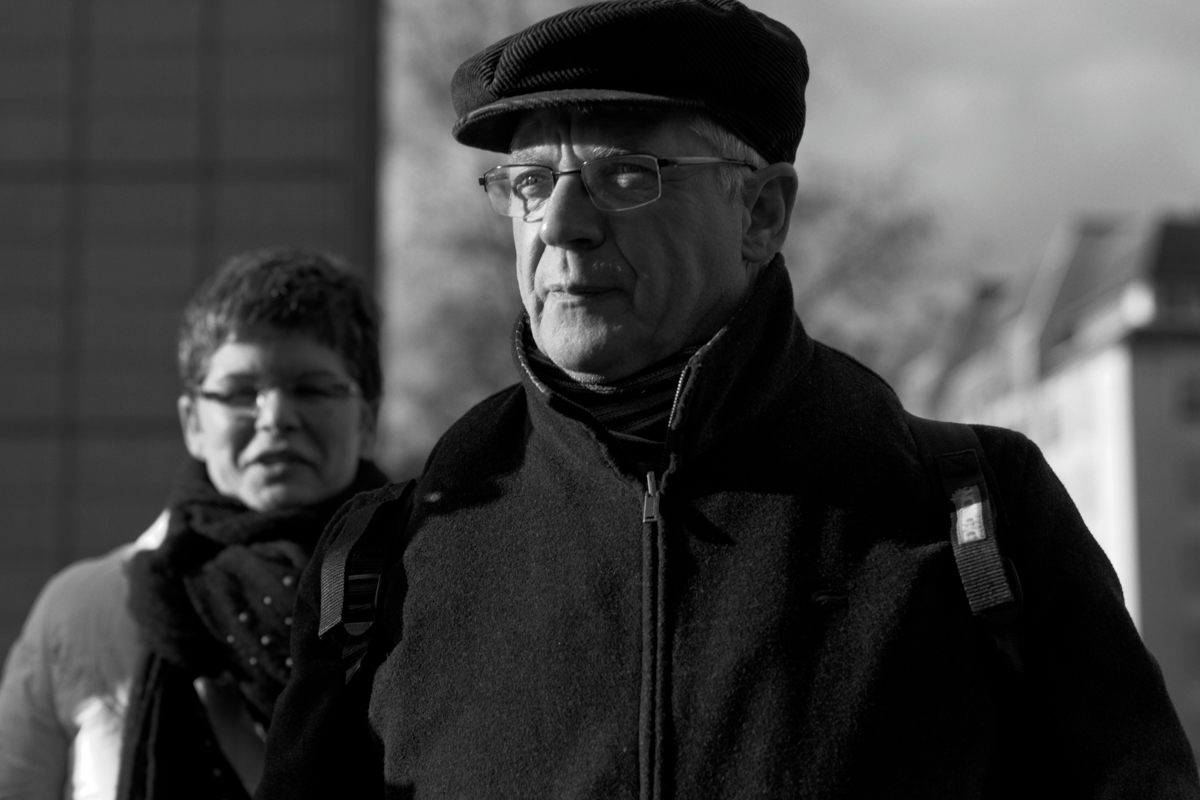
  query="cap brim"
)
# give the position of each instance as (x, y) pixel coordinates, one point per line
(491, 127)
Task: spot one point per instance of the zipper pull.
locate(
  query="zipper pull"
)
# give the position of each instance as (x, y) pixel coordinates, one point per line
(650, 507)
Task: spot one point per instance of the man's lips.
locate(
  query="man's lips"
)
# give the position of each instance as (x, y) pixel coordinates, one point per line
(578, 290)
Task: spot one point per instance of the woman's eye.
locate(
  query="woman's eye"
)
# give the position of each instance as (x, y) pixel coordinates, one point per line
(316, 392)
(241, 397)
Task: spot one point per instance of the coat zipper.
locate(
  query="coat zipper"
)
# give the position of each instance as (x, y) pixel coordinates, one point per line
(650, 505)
(652, 712)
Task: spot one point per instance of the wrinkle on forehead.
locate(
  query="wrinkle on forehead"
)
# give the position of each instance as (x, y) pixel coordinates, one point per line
(533, 153)
(540, 133)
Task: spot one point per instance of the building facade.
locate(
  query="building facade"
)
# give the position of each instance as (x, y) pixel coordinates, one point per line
(1100, 366)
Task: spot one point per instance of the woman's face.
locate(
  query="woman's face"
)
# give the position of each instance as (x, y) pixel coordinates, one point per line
(277, 420)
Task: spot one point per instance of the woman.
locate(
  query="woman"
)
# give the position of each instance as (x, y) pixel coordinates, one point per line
(152, 672)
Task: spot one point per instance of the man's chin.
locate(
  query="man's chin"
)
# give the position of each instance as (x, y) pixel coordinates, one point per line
(595, 365)
(592, 351)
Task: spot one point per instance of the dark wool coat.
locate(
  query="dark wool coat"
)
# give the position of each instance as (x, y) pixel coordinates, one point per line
(792, 626)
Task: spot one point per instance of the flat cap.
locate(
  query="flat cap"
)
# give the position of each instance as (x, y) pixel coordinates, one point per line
(740, 67)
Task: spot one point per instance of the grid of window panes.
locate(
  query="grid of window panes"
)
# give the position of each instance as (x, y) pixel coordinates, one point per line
(141, 142)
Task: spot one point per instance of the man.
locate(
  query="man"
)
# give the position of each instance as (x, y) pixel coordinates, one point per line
(694, 553)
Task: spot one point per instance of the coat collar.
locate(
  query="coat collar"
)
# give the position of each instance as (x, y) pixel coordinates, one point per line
(739, 378)
(734, 380)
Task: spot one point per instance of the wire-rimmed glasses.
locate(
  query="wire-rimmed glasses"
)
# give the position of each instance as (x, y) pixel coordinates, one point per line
(614, 183)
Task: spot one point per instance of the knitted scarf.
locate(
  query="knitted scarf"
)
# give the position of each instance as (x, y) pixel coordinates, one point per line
(215, 600)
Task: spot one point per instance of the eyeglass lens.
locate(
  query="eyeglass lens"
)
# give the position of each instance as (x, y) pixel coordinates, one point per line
(246, 400)
(617, 183)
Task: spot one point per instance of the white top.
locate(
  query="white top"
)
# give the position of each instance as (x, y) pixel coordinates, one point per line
(67, 680)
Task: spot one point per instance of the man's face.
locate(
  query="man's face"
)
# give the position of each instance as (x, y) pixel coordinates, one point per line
(609, 293)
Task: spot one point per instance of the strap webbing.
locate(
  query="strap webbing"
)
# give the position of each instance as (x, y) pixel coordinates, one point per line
(352, 575)
(956, 462)
(973, 532)
(334, 582)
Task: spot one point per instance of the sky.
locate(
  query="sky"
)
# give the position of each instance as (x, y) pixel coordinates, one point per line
(1010, 117)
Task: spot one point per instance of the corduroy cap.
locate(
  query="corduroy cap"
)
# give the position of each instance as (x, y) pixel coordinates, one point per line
(739, 66)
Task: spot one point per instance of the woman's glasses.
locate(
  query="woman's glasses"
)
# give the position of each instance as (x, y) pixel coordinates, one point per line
(306, 396)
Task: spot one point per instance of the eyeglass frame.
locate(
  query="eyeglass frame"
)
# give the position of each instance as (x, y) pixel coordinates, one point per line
(345, 390)
(659, 165)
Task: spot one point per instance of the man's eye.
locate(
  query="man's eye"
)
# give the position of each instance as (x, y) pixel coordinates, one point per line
(628, 175)
(529, 181)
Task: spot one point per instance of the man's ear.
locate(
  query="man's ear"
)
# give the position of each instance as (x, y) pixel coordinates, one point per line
(189, 421)
(770, 197)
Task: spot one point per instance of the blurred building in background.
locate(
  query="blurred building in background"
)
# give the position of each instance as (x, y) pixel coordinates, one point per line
(1100, 366)
(141, 143)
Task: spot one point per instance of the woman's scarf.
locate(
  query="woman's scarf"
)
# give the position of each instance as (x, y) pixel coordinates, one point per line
(214, 600)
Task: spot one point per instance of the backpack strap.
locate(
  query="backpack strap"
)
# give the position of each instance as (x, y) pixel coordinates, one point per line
(352, 575)
(956, 463)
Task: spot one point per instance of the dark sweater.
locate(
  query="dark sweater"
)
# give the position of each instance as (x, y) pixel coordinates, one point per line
(791, 623)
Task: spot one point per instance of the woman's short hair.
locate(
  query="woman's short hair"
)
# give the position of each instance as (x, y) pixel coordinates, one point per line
(292, 290)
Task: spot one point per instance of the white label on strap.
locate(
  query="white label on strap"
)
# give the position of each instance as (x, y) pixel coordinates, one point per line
(968, 515)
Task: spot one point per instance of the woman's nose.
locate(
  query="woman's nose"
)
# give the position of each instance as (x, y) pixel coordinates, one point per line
(276, 410)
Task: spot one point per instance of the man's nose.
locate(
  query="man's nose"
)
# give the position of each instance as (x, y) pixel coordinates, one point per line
(277, 411)
(571, 220)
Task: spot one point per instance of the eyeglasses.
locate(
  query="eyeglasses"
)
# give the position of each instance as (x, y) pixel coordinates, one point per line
(614, 183)
(315, 397)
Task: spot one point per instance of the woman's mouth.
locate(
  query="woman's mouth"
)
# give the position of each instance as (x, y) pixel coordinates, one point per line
(279, 458)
